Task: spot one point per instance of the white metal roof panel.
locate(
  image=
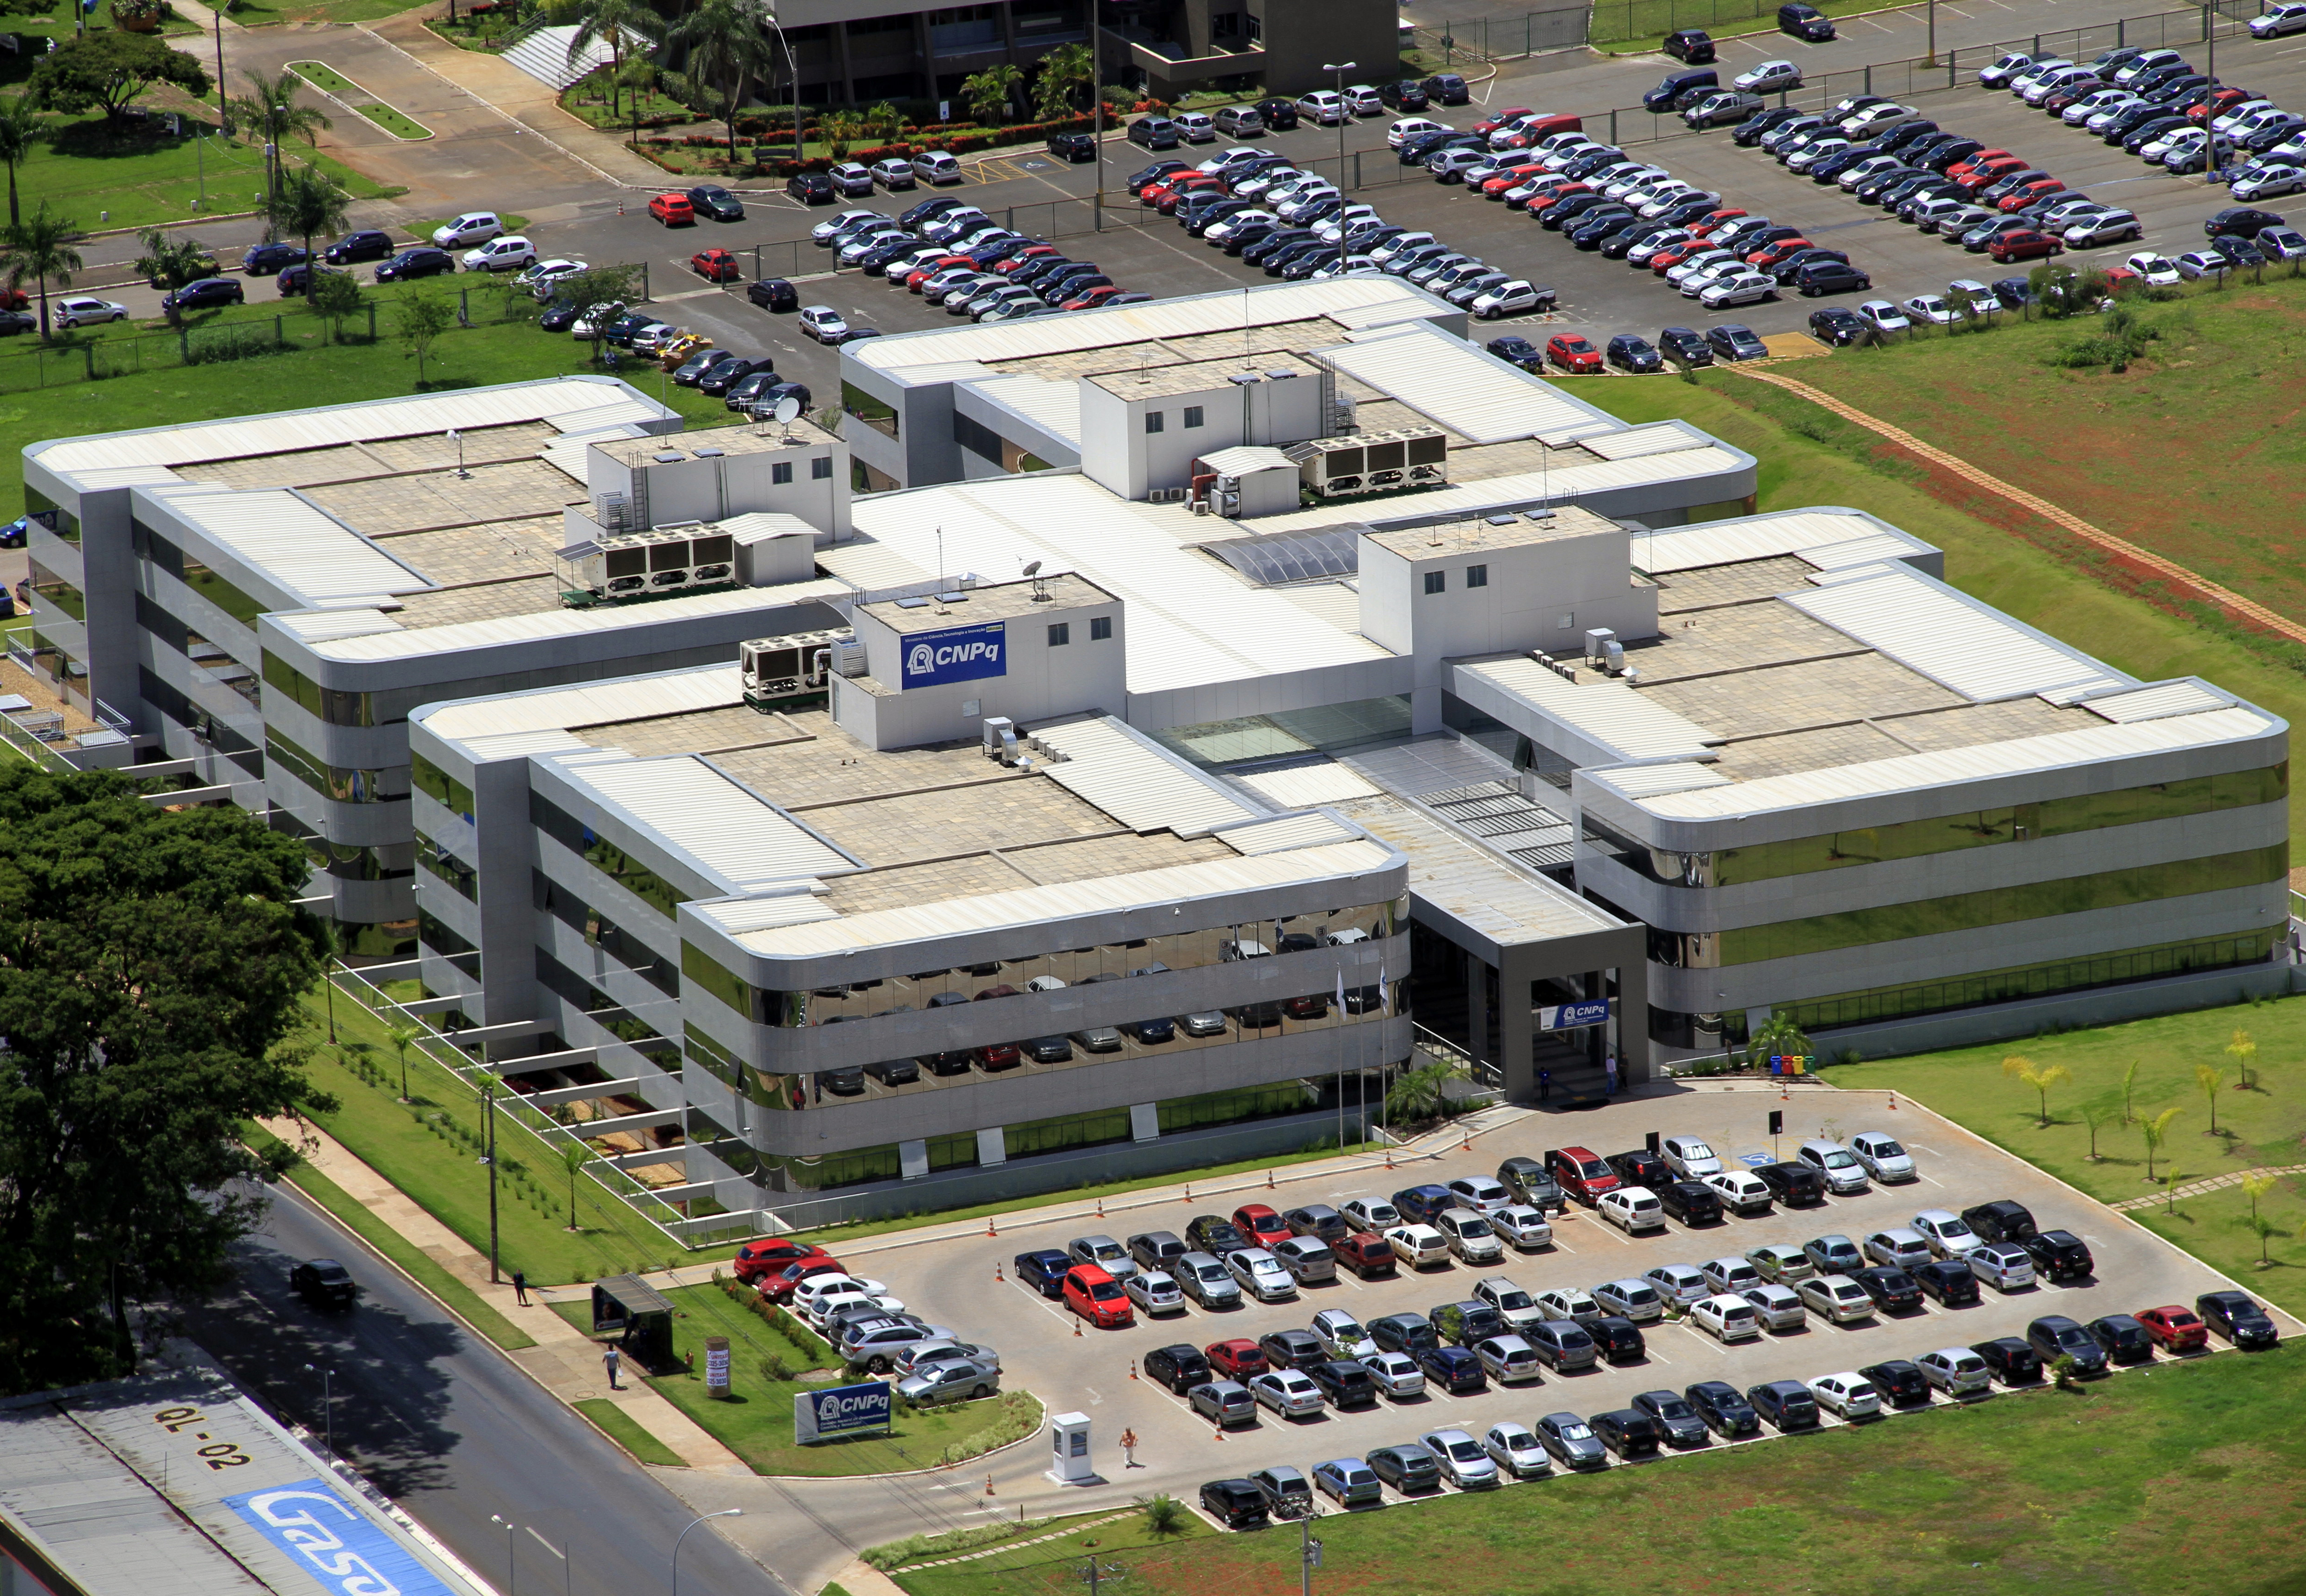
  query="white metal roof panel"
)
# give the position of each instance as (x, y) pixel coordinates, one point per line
(1879, 549)
(740, 837)
(1309, 785)
(1287, 832)
(1055, 407)
(1034, 906)
(568, 451)
(506, 745)
(1334, 603)
(1607, 713)
(559, 623)
(325, 625)
(1752, 537)
(126, 476)
(755, 527)
(294, 543)
(593, 418)
(591, 704)
(1660, 437)
(739, 915)
(1958, 643)
(1141, 788)
(1449, 381)
(2053, 751)
(1244, 458)
(1563, 484)
(1655, 781)
(2154, 703)
(869, 566)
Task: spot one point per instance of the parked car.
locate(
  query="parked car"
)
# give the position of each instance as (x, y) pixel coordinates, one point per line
(2175, 1329)
(2054, 1335)
(1726, 1317)
(1181, 1367)
(419, 262)
(1528, 1180)
(2234, 1315)
(1349, 1481)
(1562, 1344)
(1847, 1395)
(2122, 1338)
(1947, 1233)
(1947, 1282)
(1409, 1468)
(1787, 1404)
(1957, 1370)
(1882, 1157)
(1796, 1185)
(1236, 1504)
(1516, 1450)
(1343, 1382)
(1207, 1281)
(1723, 1411)
(1738, 1189)
(2013, 1361)
(1572, 1441)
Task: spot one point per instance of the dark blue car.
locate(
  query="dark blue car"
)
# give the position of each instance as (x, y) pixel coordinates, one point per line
(1044, 1271)
(1453, 1369)
(1419, 1204)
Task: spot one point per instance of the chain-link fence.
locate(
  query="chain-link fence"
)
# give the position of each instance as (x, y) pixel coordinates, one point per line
(1610, 21)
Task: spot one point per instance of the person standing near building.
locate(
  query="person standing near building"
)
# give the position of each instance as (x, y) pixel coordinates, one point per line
(1545, 1086)
(1610, 1069)
(609, 1358)
(520, 1288)
(1129, 1448)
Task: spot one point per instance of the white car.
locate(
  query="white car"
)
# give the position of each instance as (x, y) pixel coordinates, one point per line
(2099, 120)
(1742, 1190)
(1947, 1235)
(82, 311)
(2026, 77)
(1883, 1158)
(1815, 151)
(1726, 1317)
(2245, 118)
(1689, 1158)
(1507, 1359)
(1849, 1395)
(1418, 1245)
(510, 253)
(924, 1354)
(1656, 244)
(823, 323)
(1400, 132)
(2131, 71)
(2197, 264)
(1629, 1299)
(1325, 106)
(851, 179)
(1340, 1335)
(1632, 1208)
(1154, 1292)
(1835, 1297)
(1287, 1393)
(1931, 308)
(1621, 183)
(1729, 1275)
(1516, 1449)
(1777, 1307)
(1724, 265)
(1521, 1224)
(2004, 68)
(2003, 1264)
(1372, 1215)
(1262, 184)
(2050, 83)
(544, 277)
(1956, 1370)
(1569, 1303)
(1465, 1463)
(2275, 21)
(1849, 177)
(1396, 1374)
(1402, 246)
(1262, 1274)
(1737, 288)
(1469, 1236)
(1219, 232)
(1680, 1285)
(1899, 1249)
(474, 227)
(1690, 266)
(1884, 317)
(2092, 103)
(842, 220)
(1770, 77)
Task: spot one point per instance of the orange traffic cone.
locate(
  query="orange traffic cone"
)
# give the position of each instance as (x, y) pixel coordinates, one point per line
(1100, 1208)
(1269, 1179)
(988, 1485)
(1076, 1328)
(988, 1227)
(1132, 1372)
(997, 1272)
(1188, 1194)
(1893, 1100)
(1469, 1142)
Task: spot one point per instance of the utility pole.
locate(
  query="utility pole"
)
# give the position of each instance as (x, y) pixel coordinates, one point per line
(1096, 107)
(1933, 33)
(489, 1111)
(1308, 1553)
(223, 104)
(1341, 68)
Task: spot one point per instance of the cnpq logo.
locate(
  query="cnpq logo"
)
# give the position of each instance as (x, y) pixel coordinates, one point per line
(921, 661)
(961, 654)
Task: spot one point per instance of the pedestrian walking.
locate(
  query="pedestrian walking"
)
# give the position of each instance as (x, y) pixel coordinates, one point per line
(520, 1288)
(609, 1361)
(1610, 1068)
(1545, 1086)
(1129, 1448)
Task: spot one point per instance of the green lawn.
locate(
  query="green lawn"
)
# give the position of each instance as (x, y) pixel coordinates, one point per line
(2189, 1479)
(755, 1422)
(2256, 1128)
(1830, 462)
(619, 1427)
(1078, 1535)
(101, 178)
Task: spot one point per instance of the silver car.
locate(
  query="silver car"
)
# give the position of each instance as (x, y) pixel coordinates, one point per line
(1103, 1251)
(1680, 1285)
(1524, 1227)
(1509, 1360)
(1396, 1375)
(1955, 1370)
(1207, 1281)
(1519, 1310)
(1154, 1292)
(1260, 1273)
(1777, 1306)
(1836, 1297)
(1574, 1305)
(964, 1382)
(1730, 1274)
(1464, 1462)
(922, 1354)
(1307, 1259)
(1635, 1299)
(1899, 1249)
(1287, 1393)
(1516, 1449)
(1340, 1335)
(2004, 1265)
(1209, 1023)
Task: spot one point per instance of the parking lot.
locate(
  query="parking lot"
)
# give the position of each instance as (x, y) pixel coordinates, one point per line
(969, 1285)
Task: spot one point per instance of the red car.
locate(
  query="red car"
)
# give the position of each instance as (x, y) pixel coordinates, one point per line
(673, 210)
(1581, 1174)
(2175, 1329)
(779, 1286)
(1261, 1224)
(1097, 1297)
(1093, 298)
(1573, 352)
(1538, 203)
(999, 1056)
(2019, 198)
(1713, 220)
(1369, 1256)
(1017, 262)
(1235, 1360)
(2217, 105)
(1494, 188)
(1497, 119)
(1198, 184)
(1964, 167)
(1983, 174)
(924, 272)
(716, 266)
(770, 1254)
(1771, 254)
(1674, 254)
(2025, 245)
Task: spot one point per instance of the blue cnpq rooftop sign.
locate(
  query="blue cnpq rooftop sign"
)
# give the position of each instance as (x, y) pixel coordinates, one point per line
(958, 654)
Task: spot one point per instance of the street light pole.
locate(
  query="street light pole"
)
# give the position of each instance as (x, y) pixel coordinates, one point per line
(1341, 68)
(328, 1405)
(1309, 1554)
(1933, 33)
(1096, 109)
(488, 1113)
(512, 1572)
(724, 1513)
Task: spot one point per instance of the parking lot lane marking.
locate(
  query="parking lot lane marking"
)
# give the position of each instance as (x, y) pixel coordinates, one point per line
(1093, 1396)
(1920, 1175)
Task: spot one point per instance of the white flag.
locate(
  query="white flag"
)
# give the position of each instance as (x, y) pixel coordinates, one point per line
(1341, 989)
(1384, 995)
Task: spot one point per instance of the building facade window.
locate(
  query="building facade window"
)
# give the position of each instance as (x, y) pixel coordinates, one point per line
(1193, 415)
(217, 589)
(38, 507)
(440, 786)
(605, 856)
(1100, 628)
(1477, 576)
(1437, 582)
(856, 402)
(1061, 634)
(332, 704)
(335, 783)
(453, 872)
(1155, 420)
(820, 469)
(780, 472)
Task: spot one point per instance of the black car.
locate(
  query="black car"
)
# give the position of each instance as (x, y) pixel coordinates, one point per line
(1073, 146)
(1794, 1185)
(1948, 155)
(1748, 133)
(1599, 224)
(1403, 1332)
(206, 292)
(1402, 94)
(1616, 246)
(1629, 1433)
(264, 260)
(1044, 1271)
(1630, 352)
(773, 392)
(1902, 1384)
(1317, 1220)
(1619, 1339)
(1894, 1290)
(1448, 89)
(1999, 1221)
(2240, 221)
(2058, 1255)
(1680, 1423)
(2054, 1335)
(561, 315)
(1693, 1202)
(1526, 1178)
(1686, 346)
(2146, 132)
(2239, 251)
(2014, 1362)
(1726, 1413)
(1733, 340)
(1558, 215)
(1805, 21)
(368, 244)
(2235, 1315)
(811, 188)
(1693, 45)
(2121, 1338)
(1690, 211)
(1292, 1348)
(889, 1071)
(1407, 1467)
(1180, 1368)
(1787, 1405)
(1280, 115)
(1285, 1489)
(1947, 1282)
(1453, 1369)
(296, 280)
(1462, 1324)
(1519, 351)
(1640, 1167)
(1343, 1382)
(423, 261)
(712, 200)
(1814, 278)
(1239, 241)
(1236, 1504)
(773, 294)
(723, 378)
(323, 1283)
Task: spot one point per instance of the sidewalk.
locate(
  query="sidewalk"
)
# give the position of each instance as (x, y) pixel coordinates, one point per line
(565, 1360)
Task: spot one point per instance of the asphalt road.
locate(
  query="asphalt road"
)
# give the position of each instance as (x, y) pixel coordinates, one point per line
(448, 1428)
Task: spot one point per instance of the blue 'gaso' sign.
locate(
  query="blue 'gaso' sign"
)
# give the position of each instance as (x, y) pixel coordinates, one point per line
(333, 1542)
(961, 653)
(836, 1410)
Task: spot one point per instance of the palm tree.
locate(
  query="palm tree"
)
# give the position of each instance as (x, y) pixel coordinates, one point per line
(403, 1037)
(2240, 1048)
(1417, 1095)
(41, 249)
(2156, 1130)
(168, 263)
(272, 114)
(728, 44)
(839, 129)
(305, 204)
(574, 1155)
(1778, 1034)
(2129, 1079)
(21, 129)
(2209, 1081)
(619, 24)
(1065, 69)
(987, 93)
(2040, 1076)
(883, 122)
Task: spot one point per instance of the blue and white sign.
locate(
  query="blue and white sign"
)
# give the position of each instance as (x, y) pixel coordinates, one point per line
(961, 654)
(332, 1540)
(837, 1410)
(1566, 1017)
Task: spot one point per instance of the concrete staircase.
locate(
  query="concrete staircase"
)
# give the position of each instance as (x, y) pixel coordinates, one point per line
(543, 54)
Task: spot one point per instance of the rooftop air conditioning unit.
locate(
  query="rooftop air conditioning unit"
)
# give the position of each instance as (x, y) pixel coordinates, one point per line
(1167, 496)
(638, 564)
(1372, 462)
(792, 671)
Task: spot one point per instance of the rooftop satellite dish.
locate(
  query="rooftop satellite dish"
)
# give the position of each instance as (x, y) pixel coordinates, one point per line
(1033, 570)
(787, 409)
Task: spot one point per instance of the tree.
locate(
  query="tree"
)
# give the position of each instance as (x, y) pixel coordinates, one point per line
(2157, 1131)
(2209, 1081)
(883, 121)
(599, 286)
(2258, 1186)
(403, 1037)
(271, 113)
(987, 93)
(575, 1154)
(840, 130)
(2093, 1118)
(109, 70)
(2041, 1077)
(151, 961)
(22, 130)
(2264, 1230)
(622, 25)
(40, 249)
(1779, 1035)
(2170, 1190)
(1165, 1515)
(418, 319)
(2242, 1051)
(338, 298)
(1063, 70)
(1416, 1094)
(308, 203)
(2129, 1079)
(168, 262)
(728, 46)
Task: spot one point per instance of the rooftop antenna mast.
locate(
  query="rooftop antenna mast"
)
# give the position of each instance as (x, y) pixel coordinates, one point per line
(1040, 587)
